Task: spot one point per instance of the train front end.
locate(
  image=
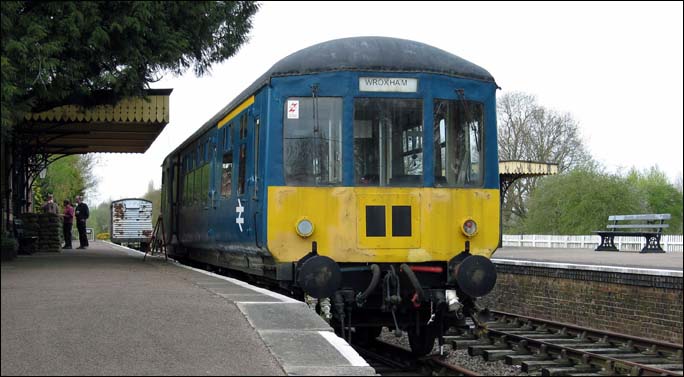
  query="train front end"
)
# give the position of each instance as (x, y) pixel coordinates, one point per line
(389, 205)
(410, 259)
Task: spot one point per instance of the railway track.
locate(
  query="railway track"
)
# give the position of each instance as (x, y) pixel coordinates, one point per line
(391, 360)
(549, 348)
(539, 347)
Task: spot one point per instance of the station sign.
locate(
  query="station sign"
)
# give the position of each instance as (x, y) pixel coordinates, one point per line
(388, 84)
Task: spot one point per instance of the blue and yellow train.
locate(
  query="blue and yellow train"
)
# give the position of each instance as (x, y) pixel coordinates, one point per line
(359, 172)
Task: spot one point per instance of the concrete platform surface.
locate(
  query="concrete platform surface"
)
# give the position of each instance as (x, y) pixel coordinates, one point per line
(105, 311)
(670, 261)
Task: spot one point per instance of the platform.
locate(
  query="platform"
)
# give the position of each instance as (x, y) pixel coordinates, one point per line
(622, 292)
(617, 261)
(105, 311)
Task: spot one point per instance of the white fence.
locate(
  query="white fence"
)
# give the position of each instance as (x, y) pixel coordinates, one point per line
(668, 242)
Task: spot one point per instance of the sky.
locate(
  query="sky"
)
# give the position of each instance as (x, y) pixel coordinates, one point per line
(615, 67)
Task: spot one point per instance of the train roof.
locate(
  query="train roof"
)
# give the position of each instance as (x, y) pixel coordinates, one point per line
(368, 54)
(376, 54)
(127, 199)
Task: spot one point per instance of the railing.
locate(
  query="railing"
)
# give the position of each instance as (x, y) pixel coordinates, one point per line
(673, 243)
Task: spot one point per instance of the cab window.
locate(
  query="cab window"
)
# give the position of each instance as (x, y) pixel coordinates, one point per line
(312, 141)
(457, 142)
(388, 142)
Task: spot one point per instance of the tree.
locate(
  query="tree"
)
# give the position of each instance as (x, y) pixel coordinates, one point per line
(66, 178)
(88, 52)
(531, 132)
(100, 217)
(659, 195)
(579, 202)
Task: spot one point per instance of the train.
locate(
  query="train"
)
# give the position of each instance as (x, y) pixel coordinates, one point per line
(131, 222)
(358, 174)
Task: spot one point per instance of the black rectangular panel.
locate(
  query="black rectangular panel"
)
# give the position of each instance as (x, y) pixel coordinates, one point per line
(401, 221)
(375, 221)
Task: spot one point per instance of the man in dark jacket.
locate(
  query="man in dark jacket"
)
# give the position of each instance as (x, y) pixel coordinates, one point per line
(82, 214)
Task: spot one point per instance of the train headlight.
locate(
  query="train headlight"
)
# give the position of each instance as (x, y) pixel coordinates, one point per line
(304, 228)
(469, 227)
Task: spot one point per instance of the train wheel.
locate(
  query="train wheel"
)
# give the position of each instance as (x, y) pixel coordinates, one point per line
(422, 344)
(365, 335)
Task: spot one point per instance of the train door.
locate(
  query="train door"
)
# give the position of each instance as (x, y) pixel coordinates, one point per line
(257, 181)
(174, 202)
(244, 209)
(209, 193)
(170, 197)
(223, 183)
(224, 164)
(236, 185)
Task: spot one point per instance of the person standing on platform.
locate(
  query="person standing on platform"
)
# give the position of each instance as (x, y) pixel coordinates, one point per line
(68, 223)
(50, 206)
(82, 214)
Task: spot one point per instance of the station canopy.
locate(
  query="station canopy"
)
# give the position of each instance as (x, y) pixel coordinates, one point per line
(130, 126)
(523, 169)
(511, 170)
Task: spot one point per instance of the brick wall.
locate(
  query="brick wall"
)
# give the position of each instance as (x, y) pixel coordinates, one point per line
(640, 305)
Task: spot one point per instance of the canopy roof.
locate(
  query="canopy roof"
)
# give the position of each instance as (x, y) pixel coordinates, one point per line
(523, 169)
(130, 126)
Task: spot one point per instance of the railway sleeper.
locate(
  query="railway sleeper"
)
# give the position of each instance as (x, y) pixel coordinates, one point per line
(519, 359)
(600, 351)
(564, 371)
(638, 358)
(478, 350)
(494, 355)
(533, 366)
(543, 336)
(506, 327)
(528, 332)
(578, 344)
(464, 344)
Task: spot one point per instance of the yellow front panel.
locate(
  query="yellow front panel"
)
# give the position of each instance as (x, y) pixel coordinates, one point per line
(338, 215)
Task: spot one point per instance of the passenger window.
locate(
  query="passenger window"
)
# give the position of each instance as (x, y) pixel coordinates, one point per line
(243, 126)
(256, 155)
(204, 191)
(191, 184)
(227, 137)
(242, 170)
(227, 175)
(186, 189)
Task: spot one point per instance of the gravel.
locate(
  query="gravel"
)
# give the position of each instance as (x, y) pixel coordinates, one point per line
(461, 358)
